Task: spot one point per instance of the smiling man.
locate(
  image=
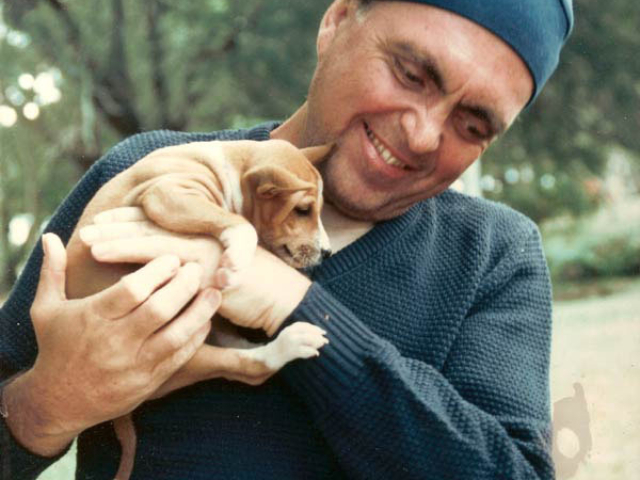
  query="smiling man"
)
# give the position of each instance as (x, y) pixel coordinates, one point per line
(413, 94)
(437, 306)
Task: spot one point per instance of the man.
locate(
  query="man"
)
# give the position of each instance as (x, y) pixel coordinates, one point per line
(437, 305)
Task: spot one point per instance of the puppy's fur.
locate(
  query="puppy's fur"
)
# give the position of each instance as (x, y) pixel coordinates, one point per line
(237, 192)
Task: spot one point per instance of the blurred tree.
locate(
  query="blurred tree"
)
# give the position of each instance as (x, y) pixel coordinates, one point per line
(133, 66)
(121, 67)
(34, 134)
(549, 162)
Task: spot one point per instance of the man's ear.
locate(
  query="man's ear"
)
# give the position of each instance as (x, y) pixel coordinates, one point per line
(333, 17)
(269, 181)
(318, 153)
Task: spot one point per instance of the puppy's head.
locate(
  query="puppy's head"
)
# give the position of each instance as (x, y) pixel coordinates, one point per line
(283, 200)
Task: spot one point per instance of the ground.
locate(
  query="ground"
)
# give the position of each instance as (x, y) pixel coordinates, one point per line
(596, 343)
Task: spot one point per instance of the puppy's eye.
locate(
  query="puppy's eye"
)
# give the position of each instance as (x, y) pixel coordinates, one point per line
(302, 211)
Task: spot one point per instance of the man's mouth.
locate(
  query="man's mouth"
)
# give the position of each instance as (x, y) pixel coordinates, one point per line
(384, 152)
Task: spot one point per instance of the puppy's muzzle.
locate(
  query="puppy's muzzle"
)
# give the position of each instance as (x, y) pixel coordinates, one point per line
(304, 255)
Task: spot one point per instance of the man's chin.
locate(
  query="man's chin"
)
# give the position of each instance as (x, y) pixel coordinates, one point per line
(361, 209)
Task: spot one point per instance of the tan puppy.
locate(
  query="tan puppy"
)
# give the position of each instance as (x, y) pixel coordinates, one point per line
(216, 188)
(237, 192)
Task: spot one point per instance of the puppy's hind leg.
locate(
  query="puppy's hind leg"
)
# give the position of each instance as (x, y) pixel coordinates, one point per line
(300, 340)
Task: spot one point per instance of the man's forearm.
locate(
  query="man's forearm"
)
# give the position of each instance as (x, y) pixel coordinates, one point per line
(269, 292)
(362, 387)
(30, 420)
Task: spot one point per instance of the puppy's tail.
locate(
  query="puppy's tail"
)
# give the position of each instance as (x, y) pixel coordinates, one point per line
(126, 433)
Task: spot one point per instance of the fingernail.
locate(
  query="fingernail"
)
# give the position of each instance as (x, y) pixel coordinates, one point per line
(87, 234)
(45, 244)
(213, 297)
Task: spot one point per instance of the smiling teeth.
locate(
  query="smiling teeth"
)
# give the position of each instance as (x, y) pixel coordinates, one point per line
(386, 155)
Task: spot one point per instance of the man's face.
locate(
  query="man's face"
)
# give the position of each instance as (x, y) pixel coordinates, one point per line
(411, 95)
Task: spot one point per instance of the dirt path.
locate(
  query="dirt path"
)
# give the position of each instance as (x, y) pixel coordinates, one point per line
(597, 344)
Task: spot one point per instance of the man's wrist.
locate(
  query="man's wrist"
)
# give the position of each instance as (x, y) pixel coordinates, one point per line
(28, 420)
(269, 292)
(290, 288)
(296, 291)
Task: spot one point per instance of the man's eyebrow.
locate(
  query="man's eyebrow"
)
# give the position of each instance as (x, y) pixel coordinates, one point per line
(426, 63)
(497, 125)
(431, 69)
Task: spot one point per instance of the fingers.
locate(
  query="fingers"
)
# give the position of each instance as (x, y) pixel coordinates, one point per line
(123, 214)
(110, 231)
(125, 235)
(118, 223)
(140, 250)
(133, 289)
(182, 376)
(51, 287)
(179, 339)
(168, 301)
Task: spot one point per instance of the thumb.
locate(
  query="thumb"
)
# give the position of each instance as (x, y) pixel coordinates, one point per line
(51, 287)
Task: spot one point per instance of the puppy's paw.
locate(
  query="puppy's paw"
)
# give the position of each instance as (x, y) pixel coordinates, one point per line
(300, 340)
(227, 278)
(239, 244)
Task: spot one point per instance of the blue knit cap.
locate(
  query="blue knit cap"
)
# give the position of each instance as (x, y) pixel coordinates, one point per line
(535, 29)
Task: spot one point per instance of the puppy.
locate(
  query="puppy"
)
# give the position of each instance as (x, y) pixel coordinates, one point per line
(240, 193)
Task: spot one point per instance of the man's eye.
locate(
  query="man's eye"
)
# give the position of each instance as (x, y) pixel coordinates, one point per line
(473, 128)
(407, 74)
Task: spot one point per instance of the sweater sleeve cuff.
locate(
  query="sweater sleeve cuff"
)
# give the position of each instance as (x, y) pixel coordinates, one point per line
(15, 460)
(352, 345)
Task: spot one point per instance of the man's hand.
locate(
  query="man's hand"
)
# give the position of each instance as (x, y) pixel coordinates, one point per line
(126, 235)
(269, 292)
(265, 297)
(100, 357)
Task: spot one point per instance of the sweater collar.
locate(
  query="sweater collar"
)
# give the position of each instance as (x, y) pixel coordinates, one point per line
(383, 235)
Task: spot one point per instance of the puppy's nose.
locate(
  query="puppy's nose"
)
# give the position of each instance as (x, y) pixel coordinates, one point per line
(326, 253)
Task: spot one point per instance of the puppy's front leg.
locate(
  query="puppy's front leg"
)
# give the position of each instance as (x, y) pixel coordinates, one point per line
(239, 242)
(183, 205)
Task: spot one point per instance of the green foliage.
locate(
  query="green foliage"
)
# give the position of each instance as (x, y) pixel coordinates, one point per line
(589, 108)
(127, 66)
(599, 246)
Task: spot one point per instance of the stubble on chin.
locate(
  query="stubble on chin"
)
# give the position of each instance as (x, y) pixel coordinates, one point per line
(352, 201)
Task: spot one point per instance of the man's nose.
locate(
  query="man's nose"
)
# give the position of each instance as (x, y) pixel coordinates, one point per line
(423, 128)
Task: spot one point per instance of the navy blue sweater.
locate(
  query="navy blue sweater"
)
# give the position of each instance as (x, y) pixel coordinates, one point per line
(439, 324)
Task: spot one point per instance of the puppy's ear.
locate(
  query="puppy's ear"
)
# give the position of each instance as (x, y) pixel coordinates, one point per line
(318, 153)
(269, 181)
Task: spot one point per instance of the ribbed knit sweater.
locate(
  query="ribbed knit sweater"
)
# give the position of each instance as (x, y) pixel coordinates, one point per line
(439, 324)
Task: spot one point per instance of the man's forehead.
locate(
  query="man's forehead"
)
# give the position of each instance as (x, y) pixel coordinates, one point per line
(535, 29)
